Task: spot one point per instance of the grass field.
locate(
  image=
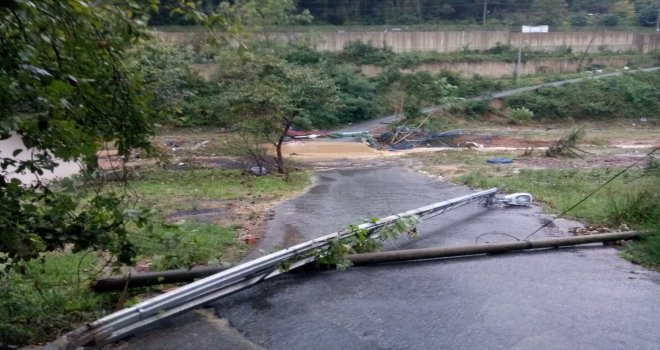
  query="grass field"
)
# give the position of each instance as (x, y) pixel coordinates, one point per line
(631, 200)
(51, 295)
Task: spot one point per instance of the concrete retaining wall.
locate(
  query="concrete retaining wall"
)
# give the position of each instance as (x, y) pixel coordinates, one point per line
(448, 41)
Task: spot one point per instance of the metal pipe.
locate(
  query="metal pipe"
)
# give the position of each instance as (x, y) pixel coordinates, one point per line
(475, 249)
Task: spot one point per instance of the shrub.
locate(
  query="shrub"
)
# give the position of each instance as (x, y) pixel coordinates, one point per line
(630, 96)
(579, 20)
(610, 20)
(360, 52)
(522, 115)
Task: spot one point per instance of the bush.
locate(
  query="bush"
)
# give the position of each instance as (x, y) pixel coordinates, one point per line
(359, 52)
(471, 109)
(502, 49)
(522, 115)
(630, 96)
(579, 20)
(610, 20)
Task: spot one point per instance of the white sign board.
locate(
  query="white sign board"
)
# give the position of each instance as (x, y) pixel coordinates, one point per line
(535, 29)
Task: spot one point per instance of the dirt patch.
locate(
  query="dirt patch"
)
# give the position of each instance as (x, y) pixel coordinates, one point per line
(589, 162)
(250, 217)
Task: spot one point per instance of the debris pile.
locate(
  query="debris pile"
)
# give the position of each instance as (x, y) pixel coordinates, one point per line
(567, 145)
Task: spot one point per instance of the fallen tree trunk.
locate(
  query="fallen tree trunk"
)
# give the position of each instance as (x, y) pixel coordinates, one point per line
(475, 249)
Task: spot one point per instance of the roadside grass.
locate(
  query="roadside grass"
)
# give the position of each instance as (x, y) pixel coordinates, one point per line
(460, 162)
(186, 244)
(49, 296)
(645, 252)
(184, 190)
(52, 296)
(628, 199)
(632, 199)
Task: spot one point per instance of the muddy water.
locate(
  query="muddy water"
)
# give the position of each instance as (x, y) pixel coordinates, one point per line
(64, 169)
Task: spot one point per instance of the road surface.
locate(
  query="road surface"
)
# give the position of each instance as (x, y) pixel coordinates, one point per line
(376, 123)
(574, 298)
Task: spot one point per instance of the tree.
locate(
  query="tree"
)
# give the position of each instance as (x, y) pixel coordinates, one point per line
(182, 97)
(549, 11)
(272, 96)
(610, 20)
(623, 8)
(648, 14)
(64, 90)
(257, 15)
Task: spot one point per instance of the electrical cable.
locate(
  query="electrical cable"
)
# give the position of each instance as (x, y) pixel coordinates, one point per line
(592, 193)
(476, 240)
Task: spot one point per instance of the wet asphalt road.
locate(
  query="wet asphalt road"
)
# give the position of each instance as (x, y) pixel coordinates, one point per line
(574, 298)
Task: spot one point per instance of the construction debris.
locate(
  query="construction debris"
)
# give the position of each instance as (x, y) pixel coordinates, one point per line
(567, 145)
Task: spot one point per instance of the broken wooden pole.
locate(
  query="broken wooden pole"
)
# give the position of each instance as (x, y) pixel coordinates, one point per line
(476, 249)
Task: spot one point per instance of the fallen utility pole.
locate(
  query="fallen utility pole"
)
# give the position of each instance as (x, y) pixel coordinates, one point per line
(145, 279)
(125, 322)
(117, 283)
(476, 249)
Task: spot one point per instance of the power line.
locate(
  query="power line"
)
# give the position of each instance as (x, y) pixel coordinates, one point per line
(593, 192)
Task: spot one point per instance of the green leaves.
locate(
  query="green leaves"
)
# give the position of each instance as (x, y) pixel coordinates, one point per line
(360, 240)
(64, 89)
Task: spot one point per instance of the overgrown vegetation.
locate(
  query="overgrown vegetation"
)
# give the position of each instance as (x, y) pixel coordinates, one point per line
(44, 297)
(565, 14)
(633, 95)
(359, 52)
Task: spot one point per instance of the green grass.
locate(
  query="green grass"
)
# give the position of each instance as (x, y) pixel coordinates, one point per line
(645, 252)
(187, 244)
(632, 199)
(183, 190)
(47, 297)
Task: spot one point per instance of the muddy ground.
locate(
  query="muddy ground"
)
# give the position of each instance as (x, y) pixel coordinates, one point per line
(604, 148)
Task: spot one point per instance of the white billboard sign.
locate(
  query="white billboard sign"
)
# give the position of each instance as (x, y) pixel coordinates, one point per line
(535, 29)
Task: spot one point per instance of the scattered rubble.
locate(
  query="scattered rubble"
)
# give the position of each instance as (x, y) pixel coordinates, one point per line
(589, 230)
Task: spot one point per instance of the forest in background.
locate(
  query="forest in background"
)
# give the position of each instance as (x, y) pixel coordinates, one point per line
(575, 13)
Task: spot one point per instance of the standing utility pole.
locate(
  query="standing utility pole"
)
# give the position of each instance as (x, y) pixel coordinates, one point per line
(657, 21)
(518, 62)
(483, 23)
